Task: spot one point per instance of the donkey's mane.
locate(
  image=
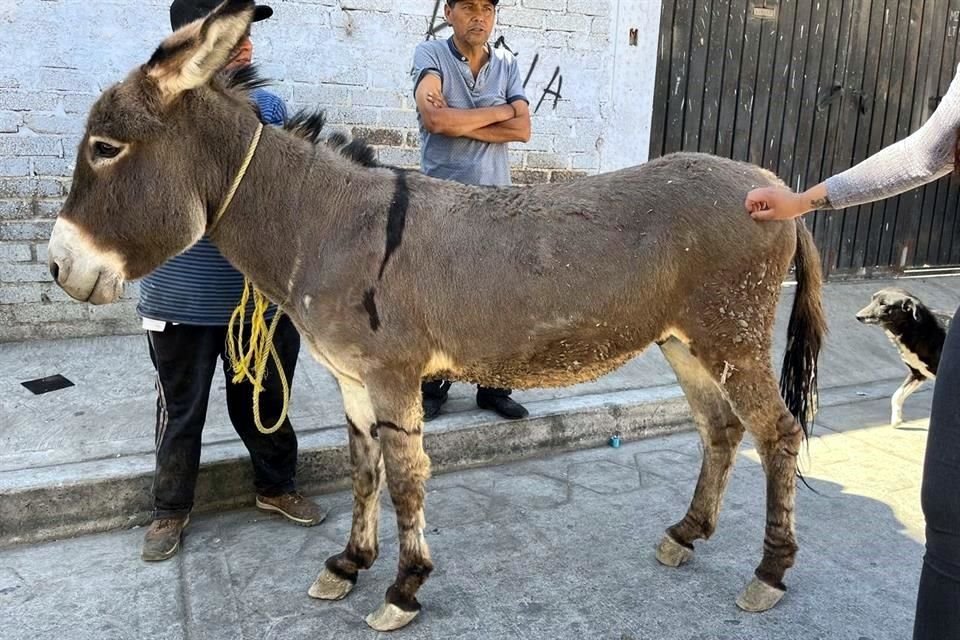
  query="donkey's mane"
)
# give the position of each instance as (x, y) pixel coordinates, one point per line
(357, 149)
(307, 123)
(245, 79)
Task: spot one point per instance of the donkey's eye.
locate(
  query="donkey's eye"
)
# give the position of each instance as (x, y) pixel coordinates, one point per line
(105, 150)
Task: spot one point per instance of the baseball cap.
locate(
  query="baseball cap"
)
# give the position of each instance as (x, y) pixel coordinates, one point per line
(184, 12)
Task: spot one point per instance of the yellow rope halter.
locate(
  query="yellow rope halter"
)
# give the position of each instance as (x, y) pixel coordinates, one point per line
(251, 364)
(236, 181)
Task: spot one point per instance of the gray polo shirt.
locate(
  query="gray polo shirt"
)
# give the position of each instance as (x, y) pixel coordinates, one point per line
(463, 159)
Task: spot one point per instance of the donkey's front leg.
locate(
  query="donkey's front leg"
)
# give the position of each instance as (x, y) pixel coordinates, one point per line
(340, 574)
(400, 417)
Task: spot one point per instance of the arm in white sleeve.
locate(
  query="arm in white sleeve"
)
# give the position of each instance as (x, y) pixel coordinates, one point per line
(922, 157)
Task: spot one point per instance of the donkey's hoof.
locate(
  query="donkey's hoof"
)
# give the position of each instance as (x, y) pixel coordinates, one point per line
(330, 586)
(390, 617)
(759, 596)
(671, 553)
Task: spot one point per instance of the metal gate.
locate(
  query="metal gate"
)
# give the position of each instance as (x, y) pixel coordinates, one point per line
(807, 88)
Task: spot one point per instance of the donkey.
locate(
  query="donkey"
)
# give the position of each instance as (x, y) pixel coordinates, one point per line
(393, 277)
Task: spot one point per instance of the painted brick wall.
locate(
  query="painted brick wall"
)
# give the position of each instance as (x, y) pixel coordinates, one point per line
(350, 56)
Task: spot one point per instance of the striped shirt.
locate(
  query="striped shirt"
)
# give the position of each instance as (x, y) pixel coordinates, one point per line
(199, 286)
(464, 159)
(921, 157)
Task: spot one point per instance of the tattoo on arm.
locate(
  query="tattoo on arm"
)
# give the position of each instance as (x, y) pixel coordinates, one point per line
(820, 203)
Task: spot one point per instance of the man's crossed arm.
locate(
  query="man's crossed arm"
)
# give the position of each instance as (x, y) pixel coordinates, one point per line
(503, 123)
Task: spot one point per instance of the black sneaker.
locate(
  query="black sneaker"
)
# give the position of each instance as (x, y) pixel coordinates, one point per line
(434, 396)
(162, 540)
(432, 406)
(503, 405)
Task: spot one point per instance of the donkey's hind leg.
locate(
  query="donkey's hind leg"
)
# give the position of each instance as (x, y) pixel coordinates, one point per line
(340, 573)
(751, 387)
(721, 432)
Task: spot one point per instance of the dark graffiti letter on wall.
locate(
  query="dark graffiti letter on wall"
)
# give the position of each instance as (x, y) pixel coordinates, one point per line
(436, 27)
(550, 91)
(502, 43)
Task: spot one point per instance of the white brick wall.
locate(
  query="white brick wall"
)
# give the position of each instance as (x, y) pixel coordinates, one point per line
(350, 56)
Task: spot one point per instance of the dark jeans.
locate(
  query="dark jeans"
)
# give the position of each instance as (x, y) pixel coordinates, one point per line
(938, 600)
(438, 389)
(185, 357)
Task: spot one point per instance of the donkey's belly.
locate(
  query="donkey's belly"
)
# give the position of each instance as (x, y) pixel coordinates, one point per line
(559, 363)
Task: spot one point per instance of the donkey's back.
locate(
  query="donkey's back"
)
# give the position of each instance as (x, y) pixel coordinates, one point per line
(578, 277)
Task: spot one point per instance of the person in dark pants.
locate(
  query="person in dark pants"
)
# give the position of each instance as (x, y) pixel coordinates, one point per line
(470, 105)
(929, 153)
(938, 602)
(186, 306)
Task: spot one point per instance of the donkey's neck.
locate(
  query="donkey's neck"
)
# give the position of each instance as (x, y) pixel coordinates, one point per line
(287, 211)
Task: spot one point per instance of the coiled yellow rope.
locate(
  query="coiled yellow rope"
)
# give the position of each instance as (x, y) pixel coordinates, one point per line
(250, 363)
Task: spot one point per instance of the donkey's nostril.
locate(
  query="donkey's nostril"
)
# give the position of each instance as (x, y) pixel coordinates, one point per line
(54, 271)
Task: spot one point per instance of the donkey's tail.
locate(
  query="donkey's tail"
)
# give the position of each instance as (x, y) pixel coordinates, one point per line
(805, 333)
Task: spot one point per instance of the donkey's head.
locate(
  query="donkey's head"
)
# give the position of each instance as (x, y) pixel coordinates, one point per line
(155, 162)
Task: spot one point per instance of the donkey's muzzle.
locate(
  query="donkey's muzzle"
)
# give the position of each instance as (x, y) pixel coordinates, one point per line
(82, 271)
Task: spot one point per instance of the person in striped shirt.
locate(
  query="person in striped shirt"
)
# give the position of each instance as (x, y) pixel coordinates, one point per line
(186, 306)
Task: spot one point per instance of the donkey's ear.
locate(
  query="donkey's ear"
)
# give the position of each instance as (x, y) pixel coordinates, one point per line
(196, 52)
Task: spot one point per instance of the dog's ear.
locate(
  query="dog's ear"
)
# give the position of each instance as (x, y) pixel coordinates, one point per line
(911, 307)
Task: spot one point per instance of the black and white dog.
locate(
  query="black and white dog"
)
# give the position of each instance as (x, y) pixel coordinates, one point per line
(916, 331)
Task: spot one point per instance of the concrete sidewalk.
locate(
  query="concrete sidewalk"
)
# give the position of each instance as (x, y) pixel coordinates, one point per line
(81, 459)
(553, 548)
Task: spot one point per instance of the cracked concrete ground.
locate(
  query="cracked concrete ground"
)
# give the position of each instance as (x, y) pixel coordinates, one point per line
(550, 548)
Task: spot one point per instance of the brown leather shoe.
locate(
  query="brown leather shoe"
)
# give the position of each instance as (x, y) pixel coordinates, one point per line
(294, 507)
(162, 540)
